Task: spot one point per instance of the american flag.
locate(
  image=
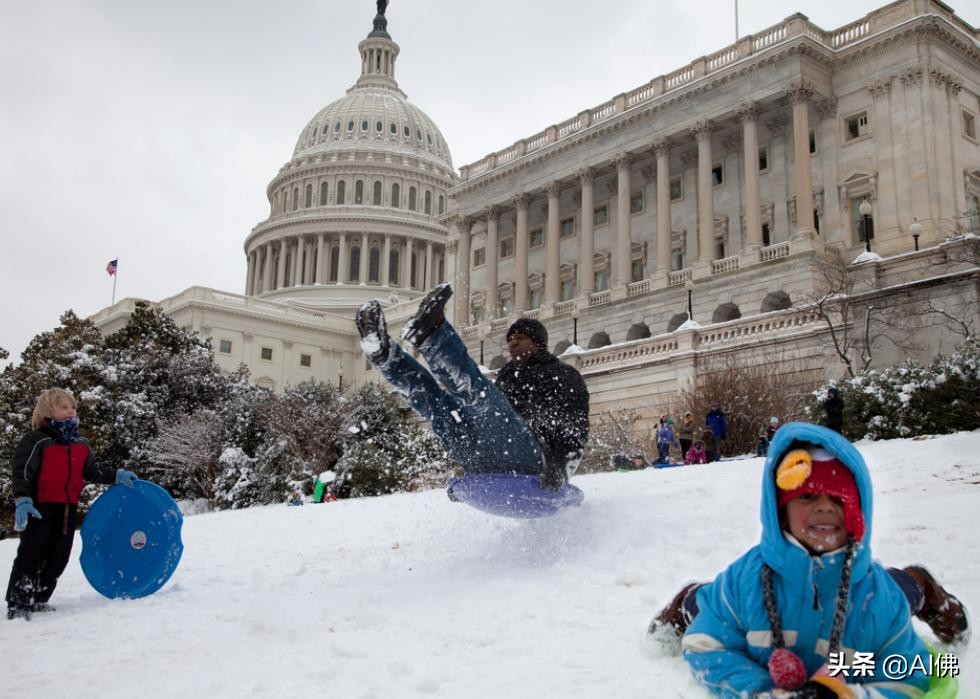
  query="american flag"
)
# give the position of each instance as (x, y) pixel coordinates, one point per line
(112, 267)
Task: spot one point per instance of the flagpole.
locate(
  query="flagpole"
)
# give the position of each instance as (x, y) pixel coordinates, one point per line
(115, 278)
(736, 20)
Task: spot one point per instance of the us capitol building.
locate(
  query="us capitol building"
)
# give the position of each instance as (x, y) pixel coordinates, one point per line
(686, 220)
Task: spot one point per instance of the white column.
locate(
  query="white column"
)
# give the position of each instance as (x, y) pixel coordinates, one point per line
(552, 286)
(281, 267)
(386, 261)
(267, 277)
(801, 94)
(586, 265)
(749, 114)
(462, 273)
(319, 259)
(493, 253)
(407, 265)
(363, 271)
(520, 254)
(624, 272)
(662, 149)
(297, 256)
(430, 272)
(342, 272)
(249, 271)
(706, 211)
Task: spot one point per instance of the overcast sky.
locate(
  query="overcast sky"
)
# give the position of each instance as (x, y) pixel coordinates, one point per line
(148, 131)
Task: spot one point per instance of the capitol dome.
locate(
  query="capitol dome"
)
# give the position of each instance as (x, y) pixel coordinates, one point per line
(354, 214)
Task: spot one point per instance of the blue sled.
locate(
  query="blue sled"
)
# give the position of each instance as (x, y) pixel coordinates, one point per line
(131, 540)
(512, 495)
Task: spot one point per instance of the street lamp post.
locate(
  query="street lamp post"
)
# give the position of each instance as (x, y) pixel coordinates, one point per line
(575, 325)
(482, 334)
(689, 285)
(340, 380)
(865, 210)
(916, 230)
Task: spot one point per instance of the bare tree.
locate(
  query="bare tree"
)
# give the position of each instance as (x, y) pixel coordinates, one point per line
(185, 454)
(857, 316)
(957, 313)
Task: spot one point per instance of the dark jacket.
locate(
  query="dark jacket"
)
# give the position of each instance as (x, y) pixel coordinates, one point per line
(834, 406)
(717, 422)
(552, 398)
(50, 471)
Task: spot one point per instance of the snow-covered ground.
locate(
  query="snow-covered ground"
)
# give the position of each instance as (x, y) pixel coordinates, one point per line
(415, 596)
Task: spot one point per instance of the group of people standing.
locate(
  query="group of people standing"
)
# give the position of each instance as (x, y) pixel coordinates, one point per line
(697, 444)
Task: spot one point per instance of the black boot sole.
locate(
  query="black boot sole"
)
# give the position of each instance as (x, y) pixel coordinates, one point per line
(430, 315)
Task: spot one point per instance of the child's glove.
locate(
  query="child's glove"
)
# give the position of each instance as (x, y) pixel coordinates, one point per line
(25, 507)
(127, 478)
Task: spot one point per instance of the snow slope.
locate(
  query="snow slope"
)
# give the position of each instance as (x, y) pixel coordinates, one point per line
(415, 596)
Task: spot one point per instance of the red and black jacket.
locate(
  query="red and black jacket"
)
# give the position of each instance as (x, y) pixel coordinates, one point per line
(50, 471)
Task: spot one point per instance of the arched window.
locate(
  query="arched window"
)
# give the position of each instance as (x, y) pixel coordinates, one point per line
(599, 339)
(374, 266)
(377, 193)
(428, 202)
(334, 263)
(355, 264)
(638, 331)
(393, 267)
(726, 312)
(442, 204)
(359, 192)
(396, 196)
(775, 301)
(379, 127)
(341, 193)
(411, 198)
(295, 198)
(308, 202)
(323, 193)
(676, 321)
(407, 132)
(336, 127)
(394, 129)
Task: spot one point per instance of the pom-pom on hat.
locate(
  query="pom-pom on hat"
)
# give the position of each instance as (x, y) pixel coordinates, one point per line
(813, 470)
(532, 329)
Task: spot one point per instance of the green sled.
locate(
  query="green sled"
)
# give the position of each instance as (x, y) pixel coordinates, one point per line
(941, 687)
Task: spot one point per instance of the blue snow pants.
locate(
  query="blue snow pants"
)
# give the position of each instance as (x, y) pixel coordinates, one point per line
(473, 419)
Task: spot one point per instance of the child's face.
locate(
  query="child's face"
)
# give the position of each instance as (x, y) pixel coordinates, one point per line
(817, 522)
(63, 410)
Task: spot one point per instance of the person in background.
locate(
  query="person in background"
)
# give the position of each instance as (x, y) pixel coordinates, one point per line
(718, 425)
(696, 454)
(665, 440)
(51, 465)
(834, 408)
(685, 432)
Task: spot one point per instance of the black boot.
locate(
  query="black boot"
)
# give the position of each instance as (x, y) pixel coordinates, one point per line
(374, 332)
(15, 611)
(430, 315)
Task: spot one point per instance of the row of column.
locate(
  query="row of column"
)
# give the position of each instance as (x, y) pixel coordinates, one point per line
(747, 114)
(267, 263)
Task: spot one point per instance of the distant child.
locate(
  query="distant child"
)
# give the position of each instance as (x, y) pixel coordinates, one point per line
(762, 445)
(50, 466)
(769, 624)
(696, 454)
(665, 439)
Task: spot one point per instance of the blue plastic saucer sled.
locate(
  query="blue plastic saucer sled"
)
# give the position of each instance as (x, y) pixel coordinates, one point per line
(131, 540)
(512, 495)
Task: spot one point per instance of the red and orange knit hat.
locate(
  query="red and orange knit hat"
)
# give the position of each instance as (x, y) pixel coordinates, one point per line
(813, 470)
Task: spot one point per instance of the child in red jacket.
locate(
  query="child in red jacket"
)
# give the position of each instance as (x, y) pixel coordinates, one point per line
(50, 467)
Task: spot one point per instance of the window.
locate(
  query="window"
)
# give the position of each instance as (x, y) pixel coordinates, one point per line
(393, 267)
(379, 127)
(376, 200)
(341, 191)
(408, 132)
(813, 141)
(396, 196)
(507, 247)
(637, 271)
(535, 298)
(766, 235)
(763, 159)
(224, 346)
(359, 192)
(374, 266)
(636, 203)
(567, 289)
(411, 198)
(973, 209)
(266, 354)
(969, 125)
(428, 202)
(676, 260)
(295, 198)
(566, 228)
(536, 237)
(442, 204)
(364, 125)
(676, 188)
(601, 281)
(305, 360)
(479, 257)
(354, 274)
(308, 202)
(718, 175)
(336, 127)
(323, 193)
(334, 264)
(856, 126)
(394, 129)
(350, 126)
(719, 249)
(600, 215)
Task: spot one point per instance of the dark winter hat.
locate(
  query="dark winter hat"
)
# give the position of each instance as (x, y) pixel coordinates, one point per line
(531, 329)
(814, 470)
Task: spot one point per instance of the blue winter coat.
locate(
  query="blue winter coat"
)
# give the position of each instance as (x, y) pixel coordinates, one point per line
(729, 642)
(717, 422)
